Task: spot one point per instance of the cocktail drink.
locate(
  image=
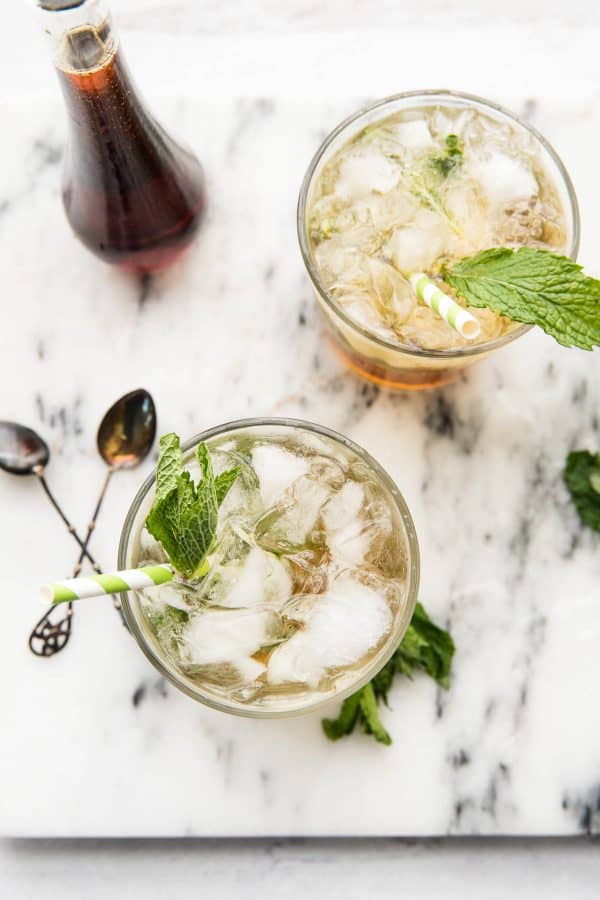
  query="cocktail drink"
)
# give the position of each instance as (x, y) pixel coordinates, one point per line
(308, 587)
(411, 185)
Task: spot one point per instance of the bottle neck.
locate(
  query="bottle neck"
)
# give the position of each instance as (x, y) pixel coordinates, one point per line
(80, 33)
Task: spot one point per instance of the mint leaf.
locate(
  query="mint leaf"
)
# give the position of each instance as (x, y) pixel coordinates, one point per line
(427, 177)
(533, 286)
(360, 707)
(370, 721)
(424, 182)
(347, 719)
(224, 481)
(452, 158)
(184, 524)
(425, 646)
(170, 465)
(453, 145)
(582, 477)
(184, 515)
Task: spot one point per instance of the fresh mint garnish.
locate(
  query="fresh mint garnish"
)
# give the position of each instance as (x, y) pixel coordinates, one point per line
(535, 287)
(427, 177)
(361, 708)
(425, 646)
(224, 482)
(451, 159)
(424, 183)
(184, 514)
(582, 477)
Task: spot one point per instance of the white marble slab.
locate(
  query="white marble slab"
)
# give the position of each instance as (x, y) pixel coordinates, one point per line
(514, 747)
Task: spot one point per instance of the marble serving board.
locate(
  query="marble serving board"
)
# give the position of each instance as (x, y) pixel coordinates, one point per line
(93, 741)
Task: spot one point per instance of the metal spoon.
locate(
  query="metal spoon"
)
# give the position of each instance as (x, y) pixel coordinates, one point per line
(125, 438)
(24, 452)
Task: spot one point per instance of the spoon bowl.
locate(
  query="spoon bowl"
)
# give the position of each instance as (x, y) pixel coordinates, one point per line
(22, 450)
(127, 431)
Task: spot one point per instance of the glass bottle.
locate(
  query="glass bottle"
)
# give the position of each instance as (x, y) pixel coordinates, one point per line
(132, 195)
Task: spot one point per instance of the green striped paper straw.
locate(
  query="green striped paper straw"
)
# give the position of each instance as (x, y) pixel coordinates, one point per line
(99, 585)
(450, 311)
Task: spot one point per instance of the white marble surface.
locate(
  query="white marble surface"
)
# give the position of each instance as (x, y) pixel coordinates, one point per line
(514, 747)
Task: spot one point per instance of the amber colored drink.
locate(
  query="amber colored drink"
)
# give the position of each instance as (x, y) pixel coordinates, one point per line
(413, 184)
(132, 195)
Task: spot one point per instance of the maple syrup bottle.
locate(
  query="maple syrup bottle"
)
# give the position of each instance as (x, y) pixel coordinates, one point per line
(132, 195)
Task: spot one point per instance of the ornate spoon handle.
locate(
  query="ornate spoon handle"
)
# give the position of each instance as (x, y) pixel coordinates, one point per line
(49, 637)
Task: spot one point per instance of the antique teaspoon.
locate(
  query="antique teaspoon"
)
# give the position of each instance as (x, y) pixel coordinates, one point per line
(125, 438)
(24, 452)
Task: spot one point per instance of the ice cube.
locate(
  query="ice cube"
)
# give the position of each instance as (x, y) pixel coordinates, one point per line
(250, 669)
(414, 135)
(351, 230)
(259, 579)
(243, 495)
(443, 122)
(417, 246)
(348, 537)
(360, 309)
(360, 174)
(290, 525)
(336, 262)
(327, 471)
(172, 594)
(469, 209)
(374, 293)
(277, 469)
(344, 507)
(341, 628)
(315, 443)
(310, 570)
(229, 637)
(237, 499)
(243, 501)
(391, 210)
(350, 545)
(504, 179)
(393, 295)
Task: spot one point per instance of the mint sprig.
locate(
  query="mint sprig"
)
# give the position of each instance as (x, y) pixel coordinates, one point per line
(359, 709)
(535, 287)
(451, 159)
(425, 646)
(427, 177)
(184, 514)
(582, 477)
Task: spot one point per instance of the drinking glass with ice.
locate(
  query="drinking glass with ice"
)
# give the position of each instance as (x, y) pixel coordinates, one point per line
(406, 187)
(309, 585)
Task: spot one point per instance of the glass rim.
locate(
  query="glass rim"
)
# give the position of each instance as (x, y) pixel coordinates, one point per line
(321, 290)
(386, 650)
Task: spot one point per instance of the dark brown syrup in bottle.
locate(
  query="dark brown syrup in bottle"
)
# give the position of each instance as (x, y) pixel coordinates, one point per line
(132, 195)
